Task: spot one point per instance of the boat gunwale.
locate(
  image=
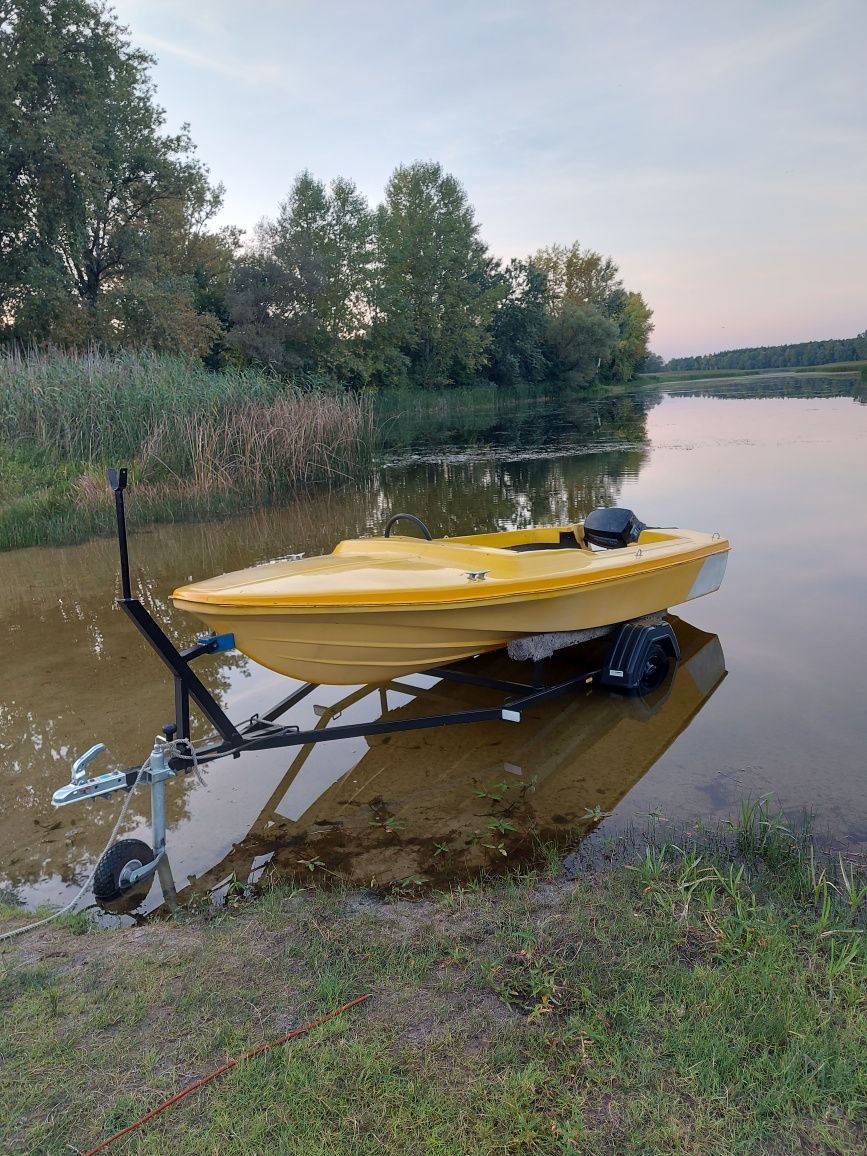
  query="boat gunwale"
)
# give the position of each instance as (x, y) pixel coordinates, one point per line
(489, 592)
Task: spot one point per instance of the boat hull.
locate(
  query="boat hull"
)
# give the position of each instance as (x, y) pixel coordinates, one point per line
(354, 644)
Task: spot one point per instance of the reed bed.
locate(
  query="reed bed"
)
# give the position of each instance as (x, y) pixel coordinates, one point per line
(198, 442)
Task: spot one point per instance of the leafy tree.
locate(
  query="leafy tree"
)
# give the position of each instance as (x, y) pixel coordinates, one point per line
(585, 279)
(97, 200)
(580, 276)
(301, 296)
(517, 350)
(437, 286)
(803, 353)
(579, 341)
(272, 300)
(652, 363)
(349, 251)
(632, 317)
(264, 329)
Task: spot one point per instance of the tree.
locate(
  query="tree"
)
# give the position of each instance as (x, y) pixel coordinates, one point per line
(272, 301)
(517, 351)
(632, 317)
(580, 276)
(437, 286)
(778, 356)
(652, 363)
(264, 329)
(585, 279)
(97, 198)
(579, 341)
(301, 296)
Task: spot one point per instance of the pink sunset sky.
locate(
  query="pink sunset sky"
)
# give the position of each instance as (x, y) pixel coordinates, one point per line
(718, 152)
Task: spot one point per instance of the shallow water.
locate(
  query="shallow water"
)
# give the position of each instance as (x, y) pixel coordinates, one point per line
(784, 477)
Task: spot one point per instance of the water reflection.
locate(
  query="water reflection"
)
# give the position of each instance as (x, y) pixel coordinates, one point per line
(435, 805)
(783, 385)
(790, 721)
(81, 673)
(534, 429)
(509, 494)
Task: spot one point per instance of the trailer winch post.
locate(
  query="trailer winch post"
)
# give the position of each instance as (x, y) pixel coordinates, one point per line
(187, 684)
(117, 480)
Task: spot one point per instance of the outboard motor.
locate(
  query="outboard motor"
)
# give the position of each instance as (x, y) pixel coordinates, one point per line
(611, 528)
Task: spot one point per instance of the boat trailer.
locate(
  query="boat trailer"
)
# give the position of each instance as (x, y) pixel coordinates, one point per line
(638, 660)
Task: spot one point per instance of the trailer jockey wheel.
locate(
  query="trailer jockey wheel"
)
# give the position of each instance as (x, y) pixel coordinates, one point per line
(117, 864)
(655, 669)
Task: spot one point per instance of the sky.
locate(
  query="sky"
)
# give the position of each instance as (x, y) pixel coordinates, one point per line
(717, 151)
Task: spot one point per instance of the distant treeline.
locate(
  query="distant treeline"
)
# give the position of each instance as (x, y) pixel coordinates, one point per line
(106, 241)
(804, 353)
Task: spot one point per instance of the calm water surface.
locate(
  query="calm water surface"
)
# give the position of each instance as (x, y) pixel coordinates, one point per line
(769, 697)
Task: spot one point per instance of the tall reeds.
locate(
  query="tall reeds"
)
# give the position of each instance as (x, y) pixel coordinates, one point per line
(183, 429)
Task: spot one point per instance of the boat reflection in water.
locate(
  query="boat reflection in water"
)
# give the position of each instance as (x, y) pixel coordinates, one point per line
(436, 805)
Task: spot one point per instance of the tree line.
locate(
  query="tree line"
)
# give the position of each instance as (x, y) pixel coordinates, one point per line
(802, 353)
(107, 238)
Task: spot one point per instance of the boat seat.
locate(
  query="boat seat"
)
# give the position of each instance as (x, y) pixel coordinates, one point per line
(568, 541)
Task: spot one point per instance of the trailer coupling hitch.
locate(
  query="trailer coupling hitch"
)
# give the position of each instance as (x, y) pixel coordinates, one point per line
(128, 861)
(82, 787)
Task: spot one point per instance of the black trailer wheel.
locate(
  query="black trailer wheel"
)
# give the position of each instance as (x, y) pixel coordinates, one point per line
(113, 870)
(655, 669)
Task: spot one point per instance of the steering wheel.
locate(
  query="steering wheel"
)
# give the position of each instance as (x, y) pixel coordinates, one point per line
(417, 522)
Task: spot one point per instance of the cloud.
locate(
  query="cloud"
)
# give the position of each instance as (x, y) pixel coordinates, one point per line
(695, 143)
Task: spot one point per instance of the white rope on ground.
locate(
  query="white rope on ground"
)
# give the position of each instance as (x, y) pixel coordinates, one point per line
(191, 751)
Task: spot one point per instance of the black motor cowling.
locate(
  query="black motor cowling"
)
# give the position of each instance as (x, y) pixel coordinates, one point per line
(612, 527)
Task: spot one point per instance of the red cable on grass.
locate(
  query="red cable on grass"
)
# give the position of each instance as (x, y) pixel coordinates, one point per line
(207, 1079)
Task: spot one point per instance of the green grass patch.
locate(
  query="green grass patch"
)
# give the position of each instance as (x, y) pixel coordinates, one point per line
(698, 997)
(675, 375)
(38, 500)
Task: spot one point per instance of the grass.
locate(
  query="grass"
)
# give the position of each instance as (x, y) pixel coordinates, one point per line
(663, 376)
(696, 998)
(198, 443)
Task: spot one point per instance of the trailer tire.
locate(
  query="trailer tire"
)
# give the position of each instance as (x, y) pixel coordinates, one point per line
(655, 669)
(122, 856)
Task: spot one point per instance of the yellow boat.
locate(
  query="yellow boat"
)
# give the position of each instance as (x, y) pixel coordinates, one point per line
(376, 608)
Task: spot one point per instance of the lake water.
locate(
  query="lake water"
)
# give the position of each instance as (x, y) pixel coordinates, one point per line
(769, 698)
